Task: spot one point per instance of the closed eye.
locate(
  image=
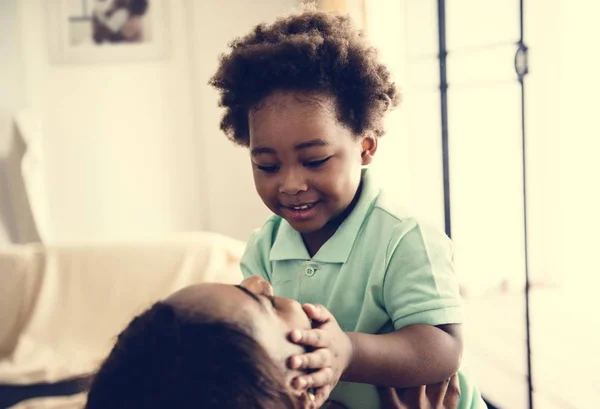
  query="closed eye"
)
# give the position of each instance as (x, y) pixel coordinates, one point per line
(316, 163)
(270, 298)
(268, 169)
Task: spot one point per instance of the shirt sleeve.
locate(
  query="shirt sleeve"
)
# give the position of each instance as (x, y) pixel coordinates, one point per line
(420, 286)
(255, 260)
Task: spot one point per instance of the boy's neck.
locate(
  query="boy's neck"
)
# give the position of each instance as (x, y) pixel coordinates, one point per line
(315, 240)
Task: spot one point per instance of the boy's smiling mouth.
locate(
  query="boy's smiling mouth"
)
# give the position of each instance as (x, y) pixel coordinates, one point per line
(300, 211)
(301, 206)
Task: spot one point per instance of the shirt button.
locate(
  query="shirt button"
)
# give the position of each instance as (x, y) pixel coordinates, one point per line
(310, 271)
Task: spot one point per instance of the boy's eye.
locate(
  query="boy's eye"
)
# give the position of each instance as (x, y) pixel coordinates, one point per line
(268, 168)
(316, 163)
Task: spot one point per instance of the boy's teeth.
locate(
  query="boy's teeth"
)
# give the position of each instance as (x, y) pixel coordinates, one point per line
(303, 207)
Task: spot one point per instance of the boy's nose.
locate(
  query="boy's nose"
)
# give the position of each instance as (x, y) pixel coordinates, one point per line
(292, 183)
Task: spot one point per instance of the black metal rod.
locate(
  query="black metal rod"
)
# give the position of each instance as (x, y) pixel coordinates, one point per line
(527, 280)
(443, 52)
(526, 236)
(521, 22)
(522, 72)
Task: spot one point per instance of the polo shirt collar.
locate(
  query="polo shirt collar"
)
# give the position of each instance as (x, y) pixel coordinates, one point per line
(289, 245)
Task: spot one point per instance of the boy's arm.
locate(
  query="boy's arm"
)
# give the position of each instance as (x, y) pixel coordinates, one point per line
(420, 295)
(412, 356)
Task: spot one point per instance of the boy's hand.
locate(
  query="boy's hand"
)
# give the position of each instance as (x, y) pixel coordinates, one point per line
(330, 356)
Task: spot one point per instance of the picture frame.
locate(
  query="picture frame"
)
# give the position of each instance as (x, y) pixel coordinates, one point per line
(107, 31)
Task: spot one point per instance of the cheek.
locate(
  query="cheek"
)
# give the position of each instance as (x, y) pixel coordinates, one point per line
(341, 182)
(294, 319)
(265, 188)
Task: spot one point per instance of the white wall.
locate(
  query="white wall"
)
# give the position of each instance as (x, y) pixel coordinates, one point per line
(121, 155)
(230, 201)
(133, 149)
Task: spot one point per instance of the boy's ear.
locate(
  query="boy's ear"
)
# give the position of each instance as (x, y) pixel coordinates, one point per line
(368, 149)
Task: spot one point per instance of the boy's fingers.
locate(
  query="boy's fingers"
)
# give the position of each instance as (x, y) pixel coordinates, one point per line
(317, 312)
(452, 395)
(321, 395)
(313, 360)
(308, 401)
(437, 393)
(388, 398)
(313, 337)
(317, 379)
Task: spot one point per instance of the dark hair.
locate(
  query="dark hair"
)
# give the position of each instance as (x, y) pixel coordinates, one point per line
(166, 359)
(313, 52)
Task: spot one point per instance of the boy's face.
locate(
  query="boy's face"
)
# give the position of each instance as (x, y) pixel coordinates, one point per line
(306, 163)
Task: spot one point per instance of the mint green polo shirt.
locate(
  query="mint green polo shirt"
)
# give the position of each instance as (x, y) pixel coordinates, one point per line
(381, 271)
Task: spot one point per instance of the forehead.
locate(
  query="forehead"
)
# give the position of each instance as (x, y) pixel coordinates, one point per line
(219, 301)
(294, 117)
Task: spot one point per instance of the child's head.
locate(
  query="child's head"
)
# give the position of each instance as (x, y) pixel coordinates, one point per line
(307, 95)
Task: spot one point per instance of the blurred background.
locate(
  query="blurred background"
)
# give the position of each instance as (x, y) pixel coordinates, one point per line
(496, 143)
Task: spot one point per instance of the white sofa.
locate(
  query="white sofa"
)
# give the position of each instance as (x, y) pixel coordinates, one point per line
(62, 306)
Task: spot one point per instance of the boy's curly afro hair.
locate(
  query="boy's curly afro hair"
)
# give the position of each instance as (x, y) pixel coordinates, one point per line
(308, 52)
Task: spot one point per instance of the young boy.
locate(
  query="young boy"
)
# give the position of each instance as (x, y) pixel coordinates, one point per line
(307, 95)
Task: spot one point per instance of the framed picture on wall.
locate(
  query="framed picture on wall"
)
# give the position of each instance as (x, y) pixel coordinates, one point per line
(96, 31)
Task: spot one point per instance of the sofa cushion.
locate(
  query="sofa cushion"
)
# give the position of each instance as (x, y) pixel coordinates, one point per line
(65, 304)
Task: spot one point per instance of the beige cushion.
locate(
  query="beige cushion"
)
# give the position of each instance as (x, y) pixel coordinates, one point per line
(61, 402)
(62, 306)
